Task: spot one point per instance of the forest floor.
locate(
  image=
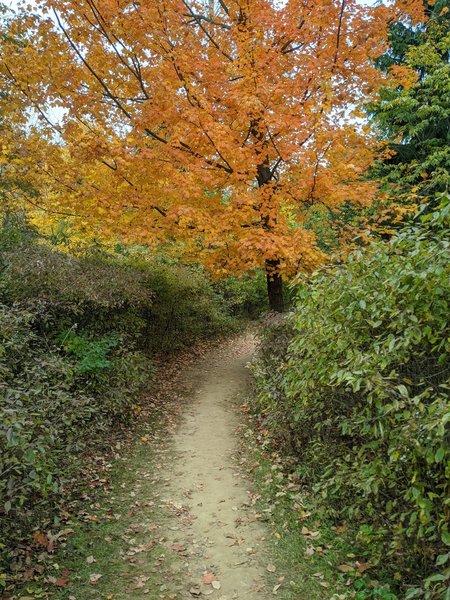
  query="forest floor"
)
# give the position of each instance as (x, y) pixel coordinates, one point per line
(190, 505)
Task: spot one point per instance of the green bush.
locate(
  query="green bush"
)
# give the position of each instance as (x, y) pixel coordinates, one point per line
(357, 387)
(52, 410)
(89, 292)
(16, 231)
(158, 306)
(77, 335)
(185, 307)
(93, 355)
(245, 296)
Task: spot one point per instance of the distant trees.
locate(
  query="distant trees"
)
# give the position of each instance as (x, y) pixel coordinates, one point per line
(414, 117)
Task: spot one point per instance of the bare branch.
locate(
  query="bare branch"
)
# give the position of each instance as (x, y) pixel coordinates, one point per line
(338, 37)
(197, 17)
(207, 34)
(287, 50)
(47, 210)
(224, 7)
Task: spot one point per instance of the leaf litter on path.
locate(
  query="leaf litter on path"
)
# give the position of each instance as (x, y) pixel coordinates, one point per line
(209, 496)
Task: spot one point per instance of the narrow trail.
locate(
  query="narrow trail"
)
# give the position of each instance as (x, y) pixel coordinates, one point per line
(213, 527)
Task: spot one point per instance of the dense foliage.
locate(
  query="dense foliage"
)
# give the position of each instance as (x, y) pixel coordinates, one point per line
(355, 383)
(219, 141)
(414, 118)
(77, 334)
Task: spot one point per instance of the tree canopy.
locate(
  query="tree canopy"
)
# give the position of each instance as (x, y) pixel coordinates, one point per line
(211, 125)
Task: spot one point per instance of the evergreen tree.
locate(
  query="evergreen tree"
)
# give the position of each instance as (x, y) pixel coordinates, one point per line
(414, 118)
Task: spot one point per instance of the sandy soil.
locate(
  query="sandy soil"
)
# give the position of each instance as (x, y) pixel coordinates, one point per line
(214, 529)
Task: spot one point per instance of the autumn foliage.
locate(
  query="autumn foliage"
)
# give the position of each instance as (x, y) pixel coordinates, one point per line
(212, 125)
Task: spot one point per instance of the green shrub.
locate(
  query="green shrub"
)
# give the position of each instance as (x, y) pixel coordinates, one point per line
(357, 387)
(158, 306)
(69, 368)
(15, 231)
(61, 290)
(52, 410)
(93, 355)
(245, 296)
(185, 305)
(77, 334)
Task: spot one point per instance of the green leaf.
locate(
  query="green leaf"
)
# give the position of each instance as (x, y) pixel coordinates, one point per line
(435, 578)
(403, 391)
(413, 593)
(442, 559)
(440, 454)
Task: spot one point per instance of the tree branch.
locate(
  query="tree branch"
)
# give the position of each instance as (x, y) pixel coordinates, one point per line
(206, 32)
(196, 17)
(48, 210)
(90, 68)
(338, 37)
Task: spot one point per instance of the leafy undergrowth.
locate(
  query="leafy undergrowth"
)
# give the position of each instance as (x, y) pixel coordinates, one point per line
(108, 541)
(354, 384)
(314, 558)
(78, 337)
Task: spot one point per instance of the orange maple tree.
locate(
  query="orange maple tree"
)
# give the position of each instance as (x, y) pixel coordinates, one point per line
(213, 124)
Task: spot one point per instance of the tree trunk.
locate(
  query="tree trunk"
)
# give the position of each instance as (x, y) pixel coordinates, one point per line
(264, 176)
(274, 286)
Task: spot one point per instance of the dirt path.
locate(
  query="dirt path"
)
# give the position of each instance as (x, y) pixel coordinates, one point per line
(215, 530)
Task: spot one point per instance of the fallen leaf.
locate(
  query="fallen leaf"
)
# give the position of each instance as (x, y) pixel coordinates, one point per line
(271, 568)
(346, 568)
(208, 578)
(362, 567)
(308, 533)
(216, 585)
(40, 538)
(90, 560)
(276, 588)
(94, 578)
(139, 583)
